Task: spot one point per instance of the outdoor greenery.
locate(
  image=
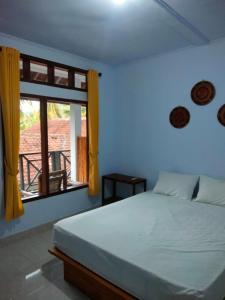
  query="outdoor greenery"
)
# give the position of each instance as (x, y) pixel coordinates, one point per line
(30, 112)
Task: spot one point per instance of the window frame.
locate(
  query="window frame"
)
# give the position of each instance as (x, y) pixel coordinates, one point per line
(44, 143)
(51, 65)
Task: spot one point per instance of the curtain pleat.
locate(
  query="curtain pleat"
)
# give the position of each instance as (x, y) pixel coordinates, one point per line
(93, 128)
(10, 105)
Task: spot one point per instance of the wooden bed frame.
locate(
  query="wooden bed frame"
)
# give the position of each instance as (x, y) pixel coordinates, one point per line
(93, 285)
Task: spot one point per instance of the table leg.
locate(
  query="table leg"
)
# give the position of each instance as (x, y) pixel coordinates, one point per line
(103, 190)
(145, 185)
(114, 189)
(134, 189)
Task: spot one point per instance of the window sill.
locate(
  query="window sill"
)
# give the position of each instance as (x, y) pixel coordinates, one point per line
(39, 197)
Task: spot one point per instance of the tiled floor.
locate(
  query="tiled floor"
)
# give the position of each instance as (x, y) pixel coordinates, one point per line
(28, 271)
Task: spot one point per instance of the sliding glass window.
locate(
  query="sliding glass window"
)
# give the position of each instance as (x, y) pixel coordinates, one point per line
(53, 146)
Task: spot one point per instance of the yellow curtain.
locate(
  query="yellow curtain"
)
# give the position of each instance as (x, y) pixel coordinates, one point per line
(93, 126)
(10, 106)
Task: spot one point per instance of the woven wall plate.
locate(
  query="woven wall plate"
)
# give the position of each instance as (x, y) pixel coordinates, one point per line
(221, 115)
(203, 93)
(179, 117)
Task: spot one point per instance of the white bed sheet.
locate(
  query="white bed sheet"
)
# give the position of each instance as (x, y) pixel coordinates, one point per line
(154, 247)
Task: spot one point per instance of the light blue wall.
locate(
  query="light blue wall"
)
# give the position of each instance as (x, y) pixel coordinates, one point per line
(147, 90)
(46, 210)
(135, 134)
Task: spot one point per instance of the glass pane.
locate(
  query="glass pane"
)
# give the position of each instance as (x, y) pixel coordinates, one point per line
(21, 69)
(61, 76)
(67, 143)
(59, 146)
(30, 148)
(80, 80)
(38, 71)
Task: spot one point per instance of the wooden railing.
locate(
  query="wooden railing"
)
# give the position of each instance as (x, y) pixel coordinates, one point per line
(30, 167)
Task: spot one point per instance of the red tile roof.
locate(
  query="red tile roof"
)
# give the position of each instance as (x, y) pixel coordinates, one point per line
(58, 136)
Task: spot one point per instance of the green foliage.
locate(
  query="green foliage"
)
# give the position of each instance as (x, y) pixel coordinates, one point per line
(58, 111)
(30, 112)
(83, 112)
(29, 115)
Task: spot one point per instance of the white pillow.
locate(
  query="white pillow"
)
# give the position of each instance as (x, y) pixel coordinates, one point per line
(211, 191)
(174, 184)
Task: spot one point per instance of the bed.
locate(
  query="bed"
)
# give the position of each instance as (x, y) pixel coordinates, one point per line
(148, 246)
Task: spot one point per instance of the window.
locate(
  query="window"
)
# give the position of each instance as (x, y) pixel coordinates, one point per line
(61, 76)
(80, 81)
(21, 69)
(38, 70)
(53, 146)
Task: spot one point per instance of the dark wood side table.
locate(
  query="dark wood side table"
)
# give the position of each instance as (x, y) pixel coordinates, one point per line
(115, 177)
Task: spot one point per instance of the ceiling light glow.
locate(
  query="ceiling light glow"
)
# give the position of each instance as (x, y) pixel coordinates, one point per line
(119, 2)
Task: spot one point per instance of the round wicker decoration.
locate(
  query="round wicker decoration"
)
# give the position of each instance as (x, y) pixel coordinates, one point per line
(221, 115)
(203, 93)
(179, 117)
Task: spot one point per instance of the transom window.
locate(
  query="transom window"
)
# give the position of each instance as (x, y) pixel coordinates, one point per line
(53, 145)
(38, 70)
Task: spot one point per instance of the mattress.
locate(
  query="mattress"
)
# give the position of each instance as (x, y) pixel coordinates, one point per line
(154, 247)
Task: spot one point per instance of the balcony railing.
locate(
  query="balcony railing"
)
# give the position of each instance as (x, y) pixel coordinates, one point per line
(30, 167)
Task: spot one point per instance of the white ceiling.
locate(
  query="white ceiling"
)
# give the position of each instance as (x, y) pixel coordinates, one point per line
(99, 29)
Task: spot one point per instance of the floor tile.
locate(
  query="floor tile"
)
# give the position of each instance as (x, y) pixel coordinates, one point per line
(29, 272)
